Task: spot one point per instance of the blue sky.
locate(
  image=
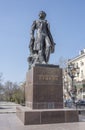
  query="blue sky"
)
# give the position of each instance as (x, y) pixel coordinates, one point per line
(67, 24)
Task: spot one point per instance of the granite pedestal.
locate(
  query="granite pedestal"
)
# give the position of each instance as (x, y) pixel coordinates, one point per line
(44, 87)
(46, 116)
(44, 97)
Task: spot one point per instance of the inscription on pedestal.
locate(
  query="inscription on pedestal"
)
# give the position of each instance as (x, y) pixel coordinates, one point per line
(48, 77)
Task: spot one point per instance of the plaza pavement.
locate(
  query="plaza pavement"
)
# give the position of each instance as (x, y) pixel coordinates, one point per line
(7, 107)
(9, 121)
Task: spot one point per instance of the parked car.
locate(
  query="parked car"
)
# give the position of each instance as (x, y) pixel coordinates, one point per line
(80, 103)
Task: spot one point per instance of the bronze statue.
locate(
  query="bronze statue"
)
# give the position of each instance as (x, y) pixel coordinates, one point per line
(41, 43)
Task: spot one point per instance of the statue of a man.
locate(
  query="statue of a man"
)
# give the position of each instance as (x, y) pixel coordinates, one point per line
(41, 43)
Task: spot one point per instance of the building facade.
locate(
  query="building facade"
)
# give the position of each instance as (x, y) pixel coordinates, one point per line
(79, 76)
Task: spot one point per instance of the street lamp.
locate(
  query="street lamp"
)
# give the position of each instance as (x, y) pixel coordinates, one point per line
(73, 71)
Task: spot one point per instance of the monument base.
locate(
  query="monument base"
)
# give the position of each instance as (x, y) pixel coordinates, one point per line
(44, 87)
(46, 116)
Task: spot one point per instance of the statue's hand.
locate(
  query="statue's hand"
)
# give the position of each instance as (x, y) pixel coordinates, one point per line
(53, 48)
(31, 43)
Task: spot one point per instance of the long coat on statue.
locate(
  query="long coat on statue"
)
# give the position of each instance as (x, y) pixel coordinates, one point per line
(43, 40)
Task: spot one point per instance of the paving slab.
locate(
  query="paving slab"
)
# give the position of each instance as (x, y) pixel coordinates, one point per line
(11, 122)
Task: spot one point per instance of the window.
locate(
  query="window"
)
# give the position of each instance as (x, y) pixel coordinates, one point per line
(81, 63)
(82, 75)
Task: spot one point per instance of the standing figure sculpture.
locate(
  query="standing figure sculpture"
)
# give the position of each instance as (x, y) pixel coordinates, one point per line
(41, 43)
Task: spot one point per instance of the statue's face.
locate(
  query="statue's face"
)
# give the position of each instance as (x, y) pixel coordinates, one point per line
(42, 15)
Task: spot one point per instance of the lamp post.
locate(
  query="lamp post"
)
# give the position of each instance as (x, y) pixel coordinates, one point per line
(73, 71)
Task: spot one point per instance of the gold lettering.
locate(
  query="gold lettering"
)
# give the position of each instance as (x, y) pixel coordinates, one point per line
(48, 77)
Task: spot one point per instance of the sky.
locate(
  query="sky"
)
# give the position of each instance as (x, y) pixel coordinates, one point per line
(67, 25)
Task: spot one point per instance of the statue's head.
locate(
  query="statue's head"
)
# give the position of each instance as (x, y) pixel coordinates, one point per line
(42, 15)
